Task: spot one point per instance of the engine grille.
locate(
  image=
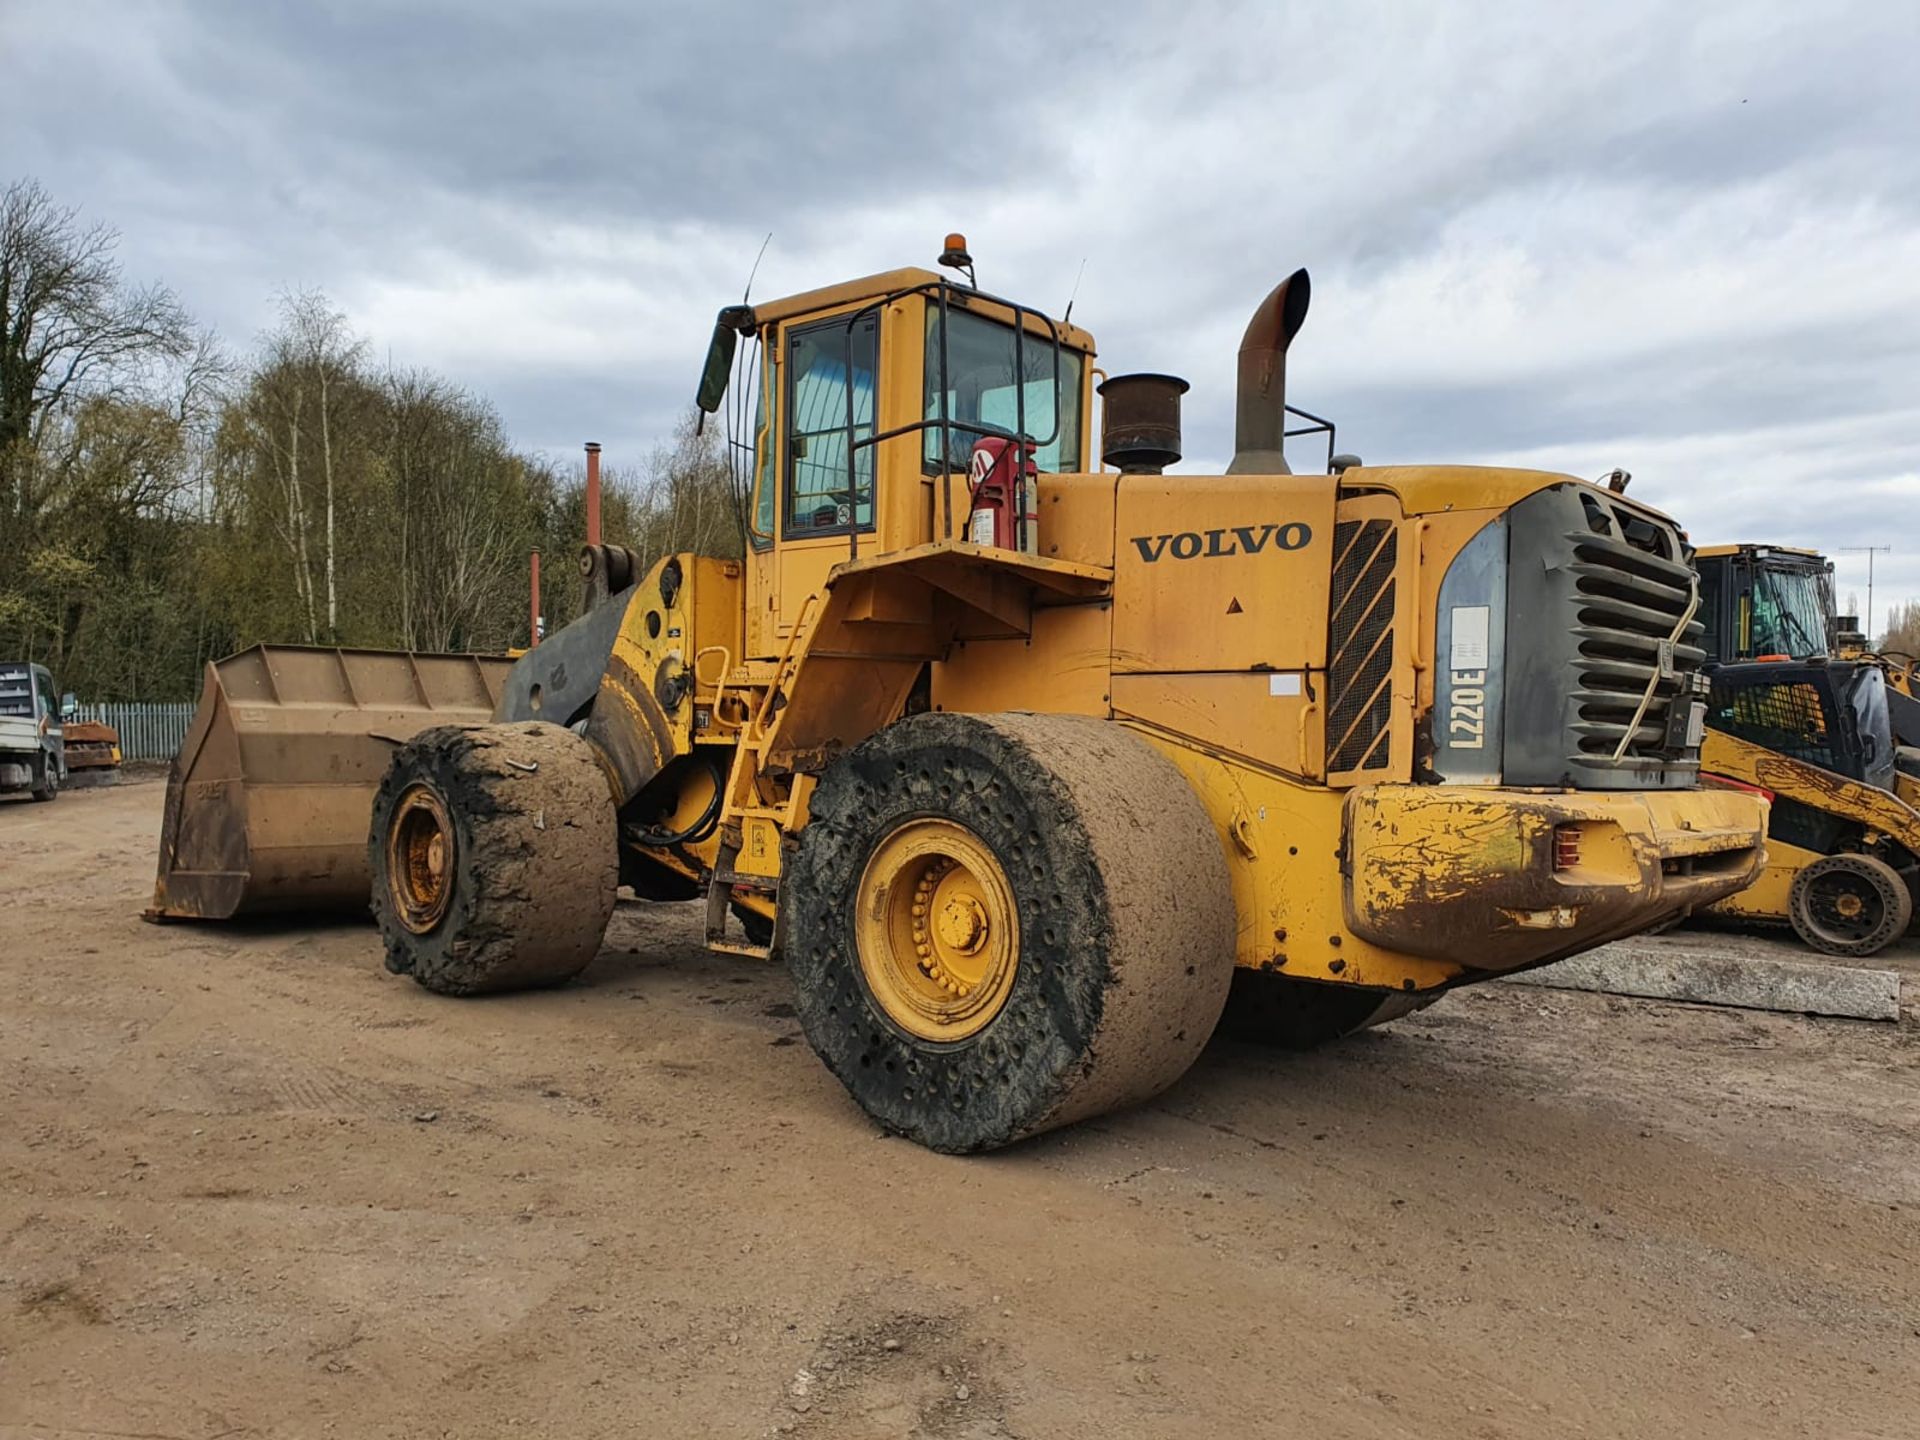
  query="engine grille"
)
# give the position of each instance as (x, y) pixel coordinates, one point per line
(1631, 585)
(1360, 645)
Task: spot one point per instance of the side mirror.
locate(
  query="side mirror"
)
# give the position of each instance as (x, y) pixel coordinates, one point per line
(733, 322)
(69, 706)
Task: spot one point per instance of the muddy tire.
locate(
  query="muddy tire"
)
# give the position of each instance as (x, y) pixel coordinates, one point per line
(1293, 1014)
(1119, 924)
(49, 786)
(493, 852)
(1852, 905)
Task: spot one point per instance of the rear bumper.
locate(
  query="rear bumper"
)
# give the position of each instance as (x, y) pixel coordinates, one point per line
(1467, 874)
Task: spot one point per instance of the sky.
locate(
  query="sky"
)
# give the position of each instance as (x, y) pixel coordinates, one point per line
(1682, 240)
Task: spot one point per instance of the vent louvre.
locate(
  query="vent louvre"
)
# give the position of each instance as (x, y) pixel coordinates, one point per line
(1627, 602)
(1360, 645)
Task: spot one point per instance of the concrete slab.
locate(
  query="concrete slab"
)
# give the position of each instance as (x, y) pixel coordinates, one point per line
(1740, 974)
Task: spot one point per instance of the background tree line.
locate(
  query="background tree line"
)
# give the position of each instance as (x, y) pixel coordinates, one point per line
(165, 501)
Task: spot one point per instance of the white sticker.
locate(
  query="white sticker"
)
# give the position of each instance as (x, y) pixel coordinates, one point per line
(1470, 637)
(1283, 684)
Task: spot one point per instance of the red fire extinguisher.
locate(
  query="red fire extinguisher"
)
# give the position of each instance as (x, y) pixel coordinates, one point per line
(1003, 481)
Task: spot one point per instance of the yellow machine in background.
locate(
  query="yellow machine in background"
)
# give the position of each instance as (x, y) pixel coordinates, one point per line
(1018, 814)
(1803, 712)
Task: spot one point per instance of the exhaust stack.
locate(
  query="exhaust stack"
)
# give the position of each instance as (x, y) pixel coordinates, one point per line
(1260, 414)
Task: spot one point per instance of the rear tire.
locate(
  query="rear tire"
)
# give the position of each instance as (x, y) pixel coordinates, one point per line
(1293, 1014)
(1098, 879)
(1851, 905)
(493, 852)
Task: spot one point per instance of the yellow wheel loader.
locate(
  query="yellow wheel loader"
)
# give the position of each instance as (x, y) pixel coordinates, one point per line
(1030, 765)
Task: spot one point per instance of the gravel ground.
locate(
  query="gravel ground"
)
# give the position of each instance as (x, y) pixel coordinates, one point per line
(251, 1185)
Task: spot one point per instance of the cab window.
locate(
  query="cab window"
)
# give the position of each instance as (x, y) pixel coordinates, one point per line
(765, 497)
(982, 391)
(826, 365)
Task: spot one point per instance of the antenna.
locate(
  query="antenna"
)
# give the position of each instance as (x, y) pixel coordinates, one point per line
(1076, 290)
(748, 292)
(1869, 551)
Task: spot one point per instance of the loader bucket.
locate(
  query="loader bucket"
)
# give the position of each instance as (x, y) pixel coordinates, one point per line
(269, 799)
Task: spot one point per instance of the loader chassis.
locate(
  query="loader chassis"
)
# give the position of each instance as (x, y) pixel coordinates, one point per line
(1018, 818)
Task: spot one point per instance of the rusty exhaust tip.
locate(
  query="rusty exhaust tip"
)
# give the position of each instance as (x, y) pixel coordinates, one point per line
(1260, 408)
(1140, 422)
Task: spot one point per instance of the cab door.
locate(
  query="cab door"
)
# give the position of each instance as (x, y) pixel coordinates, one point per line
(46, 709)
(829, 371)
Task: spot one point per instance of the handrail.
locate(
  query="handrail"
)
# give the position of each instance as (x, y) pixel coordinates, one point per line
(719, 685)
(1319, 424)
(947, 423)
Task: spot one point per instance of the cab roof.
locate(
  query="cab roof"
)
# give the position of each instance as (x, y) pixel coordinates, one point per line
(1756, 547)
(890, 282)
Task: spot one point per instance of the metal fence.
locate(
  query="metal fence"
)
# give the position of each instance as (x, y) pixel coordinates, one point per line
(147, 732)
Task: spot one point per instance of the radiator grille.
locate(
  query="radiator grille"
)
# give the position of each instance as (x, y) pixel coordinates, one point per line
(1630, 591)
(1360, 645)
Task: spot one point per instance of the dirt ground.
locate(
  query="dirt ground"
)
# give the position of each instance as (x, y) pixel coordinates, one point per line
(251, 1185)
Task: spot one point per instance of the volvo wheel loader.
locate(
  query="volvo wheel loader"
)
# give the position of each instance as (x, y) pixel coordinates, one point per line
(1024, 763)
(1828, 732)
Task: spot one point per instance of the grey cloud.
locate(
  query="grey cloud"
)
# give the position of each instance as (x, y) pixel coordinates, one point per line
(547, 202)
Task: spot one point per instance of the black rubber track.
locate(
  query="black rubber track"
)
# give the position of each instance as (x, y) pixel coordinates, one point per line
(535, 857)
(1125, 913)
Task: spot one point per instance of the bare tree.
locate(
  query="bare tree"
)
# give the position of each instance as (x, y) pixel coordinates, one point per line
(69, 325)
(1903, 629)
(329, 356)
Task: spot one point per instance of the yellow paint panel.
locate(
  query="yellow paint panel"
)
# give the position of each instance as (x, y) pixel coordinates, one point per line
(1222, 573)
(1064, 669)
(1076, 518)
(1432, 489)
(1282, 843)
(1274, 719)
(1767, 898)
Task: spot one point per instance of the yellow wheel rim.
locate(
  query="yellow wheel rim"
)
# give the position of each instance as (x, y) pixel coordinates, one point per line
(420, 853)
(937, 930)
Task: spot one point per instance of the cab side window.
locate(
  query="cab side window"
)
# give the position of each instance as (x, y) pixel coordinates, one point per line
(828, 364)
(765, 491)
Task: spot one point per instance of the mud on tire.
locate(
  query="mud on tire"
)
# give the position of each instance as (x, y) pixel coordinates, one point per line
(1125, 923)
(519, 893)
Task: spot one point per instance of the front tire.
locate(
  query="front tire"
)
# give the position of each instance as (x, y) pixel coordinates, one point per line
(49, 787)
(494, 857)
(1001, 924)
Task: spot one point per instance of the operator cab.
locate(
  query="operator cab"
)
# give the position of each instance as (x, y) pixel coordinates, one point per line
(868, 399)
(1759, 600)
(1830, 714)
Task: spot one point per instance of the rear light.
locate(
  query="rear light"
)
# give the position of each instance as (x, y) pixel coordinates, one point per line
(1727, 782)
(1566, 847)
